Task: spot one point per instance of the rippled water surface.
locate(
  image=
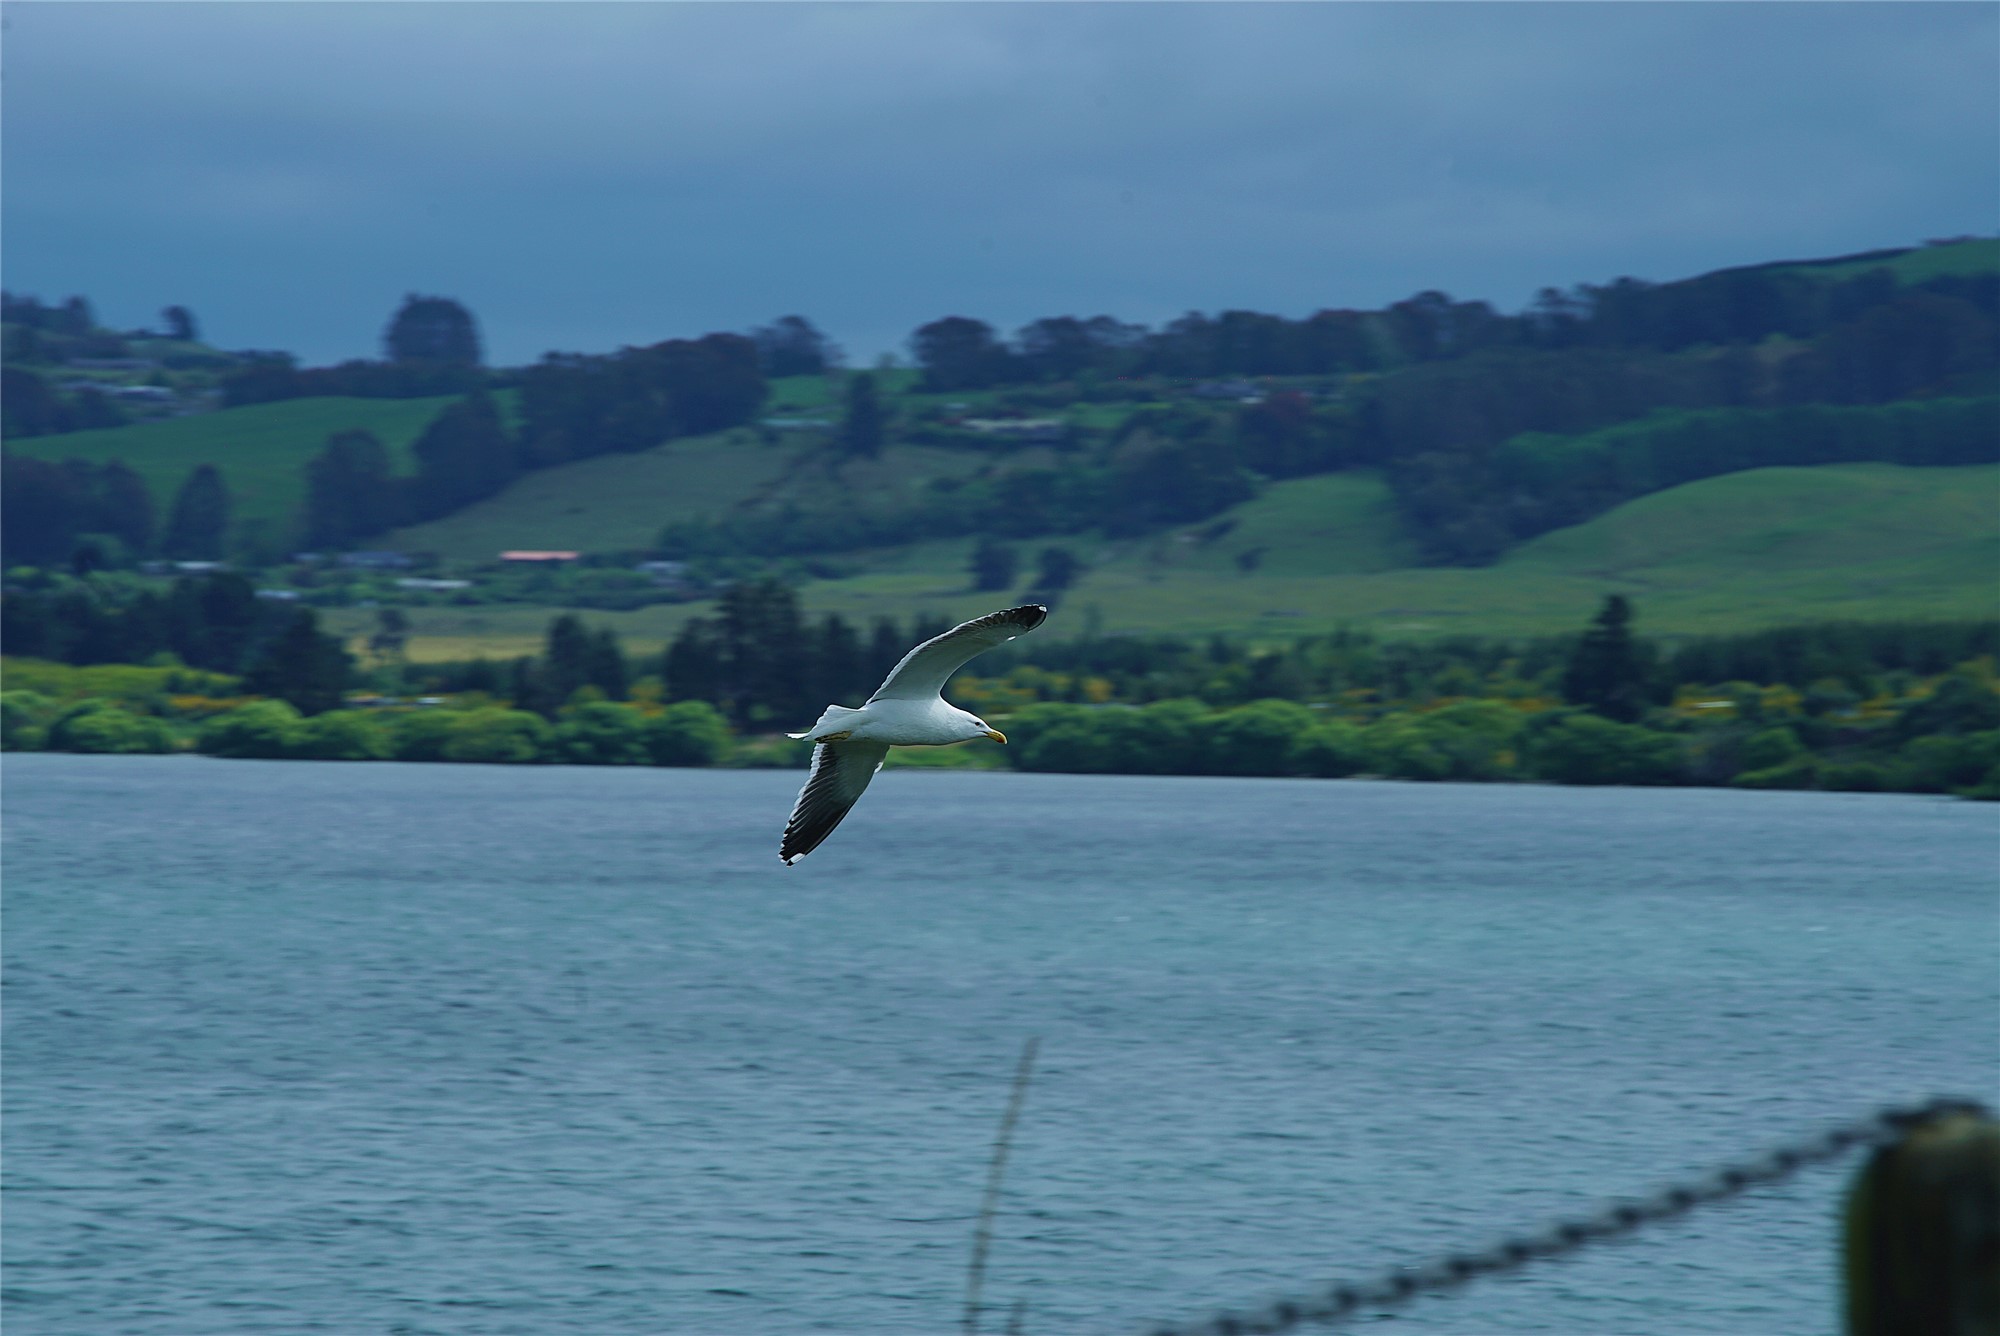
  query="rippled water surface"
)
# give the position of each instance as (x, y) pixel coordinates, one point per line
(436, 1049)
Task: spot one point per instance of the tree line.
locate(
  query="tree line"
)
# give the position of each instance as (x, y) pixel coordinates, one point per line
(1735, 307)
(214, 622)
(1849, 706)
(571, 407)
(72, 512)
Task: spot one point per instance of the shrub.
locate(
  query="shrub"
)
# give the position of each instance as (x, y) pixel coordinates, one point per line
(1476, 738)
(1987, 789)
(343, 735)
(1329, 749)
(101, 727)
(1947, 764)
(1801, 772)
(423, 735)
(1257, 739)
(24, 717)
(1057, 737)
(501, 737)
(1770, 749)
(1397, 747)
(600, 733)
(1856, 777)
(269, 729)
(1586, 749)
(692, 732)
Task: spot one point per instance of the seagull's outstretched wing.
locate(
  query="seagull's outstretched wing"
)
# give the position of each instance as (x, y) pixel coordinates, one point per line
(840, 772)
(925, 669)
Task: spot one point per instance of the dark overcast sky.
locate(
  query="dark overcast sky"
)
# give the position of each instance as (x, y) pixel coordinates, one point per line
(590, 175)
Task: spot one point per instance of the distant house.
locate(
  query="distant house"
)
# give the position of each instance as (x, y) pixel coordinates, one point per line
(418, 582)
(279, 595)
(200, 567)
(376, 561)
(671, 570)
(529, 554)
(151, 394)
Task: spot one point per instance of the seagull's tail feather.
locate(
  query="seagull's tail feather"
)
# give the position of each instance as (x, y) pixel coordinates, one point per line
(828, 723)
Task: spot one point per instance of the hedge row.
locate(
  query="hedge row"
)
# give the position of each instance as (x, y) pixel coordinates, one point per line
(599, 733)
(1476, 741)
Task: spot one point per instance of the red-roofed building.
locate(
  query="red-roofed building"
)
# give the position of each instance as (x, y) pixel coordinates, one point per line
(528, 555)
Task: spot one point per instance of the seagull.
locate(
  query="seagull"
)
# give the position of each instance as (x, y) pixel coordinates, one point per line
(907, 710)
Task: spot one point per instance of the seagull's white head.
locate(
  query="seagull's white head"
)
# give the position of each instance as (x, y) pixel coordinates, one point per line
(974, 727)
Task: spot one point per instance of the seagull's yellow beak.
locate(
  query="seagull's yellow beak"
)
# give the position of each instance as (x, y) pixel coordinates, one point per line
(996, 735)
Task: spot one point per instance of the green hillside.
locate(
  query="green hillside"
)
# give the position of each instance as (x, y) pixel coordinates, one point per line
(620, 502)
(261, 450)
(1730, 553)
(1978, 256)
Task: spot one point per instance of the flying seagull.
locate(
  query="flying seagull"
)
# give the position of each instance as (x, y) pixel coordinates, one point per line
(907, 710)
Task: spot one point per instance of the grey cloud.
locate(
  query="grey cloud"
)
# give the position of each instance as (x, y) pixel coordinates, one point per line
(587, 174)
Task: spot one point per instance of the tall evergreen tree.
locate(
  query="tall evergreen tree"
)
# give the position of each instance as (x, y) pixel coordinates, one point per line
(692, 666)
(40, 507)
(349, 493)
(838, 663)
(761, 634)
(528, 687)
(886, 647)
(566, 657)
(463, 456)
(198, 525)
(994, 564)
(125, 507)
(210, 621)
(301, 665)
(1056, 570)
(861, 429)
(1608, 671)
(606, 664)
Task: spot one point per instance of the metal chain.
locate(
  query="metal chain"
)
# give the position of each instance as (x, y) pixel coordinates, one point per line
(1396, 1285)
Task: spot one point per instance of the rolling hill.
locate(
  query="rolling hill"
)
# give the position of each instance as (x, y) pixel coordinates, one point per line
(620, 502)
(1975, 256)
(1732, 553)
(261, 450)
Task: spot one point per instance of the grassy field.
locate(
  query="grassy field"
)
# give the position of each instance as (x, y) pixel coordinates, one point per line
(606, 503)
(262, 449)
(1981, 256)
(1732, 553)
(619, 502)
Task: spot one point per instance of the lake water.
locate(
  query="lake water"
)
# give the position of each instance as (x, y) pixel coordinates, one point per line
(304, 1047)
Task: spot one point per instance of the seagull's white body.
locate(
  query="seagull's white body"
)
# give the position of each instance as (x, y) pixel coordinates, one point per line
(900, 723)
(907, 710)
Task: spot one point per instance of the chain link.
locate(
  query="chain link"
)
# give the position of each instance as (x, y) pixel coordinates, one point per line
(1396, 1285)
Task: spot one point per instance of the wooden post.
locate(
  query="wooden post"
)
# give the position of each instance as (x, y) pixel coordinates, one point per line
(1922, 1246)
